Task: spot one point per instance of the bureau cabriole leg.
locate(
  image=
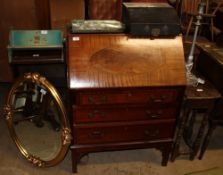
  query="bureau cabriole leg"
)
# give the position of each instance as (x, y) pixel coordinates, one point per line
(166, 149)
(75, 159)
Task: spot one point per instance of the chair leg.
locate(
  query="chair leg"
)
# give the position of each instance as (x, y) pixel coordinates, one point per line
(189, 25)
(212, 29)
(207, 140)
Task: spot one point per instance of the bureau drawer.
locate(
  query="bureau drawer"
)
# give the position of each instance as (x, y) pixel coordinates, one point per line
(129, 97)
(129, 113)
(105, 133)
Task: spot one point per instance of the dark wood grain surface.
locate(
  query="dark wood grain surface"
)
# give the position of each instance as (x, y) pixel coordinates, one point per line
(103, 61)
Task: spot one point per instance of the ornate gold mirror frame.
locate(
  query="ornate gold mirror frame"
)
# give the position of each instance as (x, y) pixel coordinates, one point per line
(65, 130)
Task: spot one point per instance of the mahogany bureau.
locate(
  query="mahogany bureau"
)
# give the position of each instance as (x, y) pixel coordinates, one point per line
(125, 93)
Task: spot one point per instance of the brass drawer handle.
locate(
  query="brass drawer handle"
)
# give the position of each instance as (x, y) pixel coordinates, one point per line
(96, 113)
(36, 55)
(146, 132)
(155, 133)
(151, 133)
(159, 100)
(129, 94)
(96, 134)
(91, 100)
(90, 115)
(154, 115)
(101, 100)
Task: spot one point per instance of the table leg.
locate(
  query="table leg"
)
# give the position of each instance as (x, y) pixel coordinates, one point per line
(207, 140)
(182, 123)
(197, 142)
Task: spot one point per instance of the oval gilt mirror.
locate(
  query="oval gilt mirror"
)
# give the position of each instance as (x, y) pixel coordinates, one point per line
(37, 120)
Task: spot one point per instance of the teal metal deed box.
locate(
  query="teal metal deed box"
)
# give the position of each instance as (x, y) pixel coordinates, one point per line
(35, 46)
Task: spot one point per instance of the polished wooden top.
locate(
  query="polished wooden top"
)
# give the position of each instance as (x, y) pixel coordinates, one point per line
(213, 51)
(116, 60)
(204, 91)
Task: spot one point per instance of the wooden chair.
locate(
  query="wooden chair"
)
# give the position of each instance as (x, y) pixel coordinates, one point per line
(207, 16)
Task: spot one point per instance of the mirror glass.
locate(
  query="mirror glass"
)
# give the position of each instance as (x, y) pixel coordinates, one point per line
(38, 122)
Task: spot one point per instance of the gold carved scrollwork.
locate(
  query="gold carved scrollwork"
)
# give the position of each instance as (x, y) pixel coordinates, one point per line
(35, 160)
(66, 136)
(7, 112)
(35, 78)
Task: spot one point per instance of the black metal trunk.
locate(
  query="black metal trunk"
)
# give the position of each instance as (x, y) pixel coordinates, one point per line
(151, 19)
